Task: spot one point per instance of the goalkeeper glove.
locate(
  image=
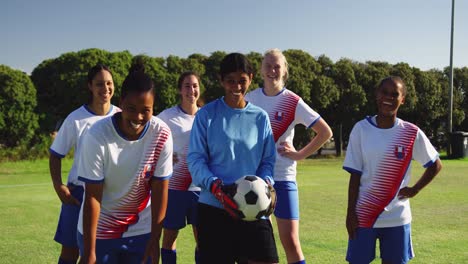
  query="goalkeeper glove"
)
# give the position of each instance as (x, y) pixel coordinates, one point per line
(223, 193)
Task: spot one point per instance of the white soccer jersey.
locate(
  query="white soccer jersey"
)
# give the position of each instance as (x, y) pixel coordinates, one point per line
(125, 168)
(286, 110)
(180, 124)
(383, 159)
(71, 132)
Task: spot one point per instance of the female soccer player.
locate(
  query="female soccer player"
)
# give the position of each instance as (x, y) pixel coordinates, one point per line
(378, 158)
(101, 87)
(231, 138)
(183, 195)
(286, 110)
(125, 162)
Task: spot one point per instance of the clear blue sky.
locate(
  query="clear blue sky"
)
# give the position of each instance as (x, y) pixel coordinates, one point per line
(412, 31)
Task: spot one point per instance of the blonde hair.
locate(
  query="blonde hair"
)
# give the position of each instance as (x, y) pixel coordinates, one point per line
(277, 53)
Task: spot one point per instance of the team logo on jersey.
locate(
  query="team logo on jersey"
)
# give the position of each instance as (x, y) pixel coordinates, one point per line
(279, 116)
(400, 152)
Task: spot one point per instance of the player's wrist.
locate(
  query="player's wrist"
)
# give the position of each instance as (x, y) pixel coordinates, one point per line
(59, 188)
(300, 155)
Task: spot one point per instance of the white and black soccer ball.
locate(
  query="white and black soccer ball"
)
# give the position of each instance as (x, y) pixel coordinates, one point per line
(253, 197)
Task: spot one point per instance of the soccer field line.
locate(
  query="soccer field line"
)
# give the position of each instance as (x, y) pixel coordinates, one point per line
(23, 185)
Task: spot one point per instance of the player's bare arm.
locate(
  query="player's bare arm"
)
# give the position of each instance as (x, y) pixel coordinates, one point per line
(91, 211)
(428, 175)
(159, 191)
(351, 217)
(55, 166)
(323, 133)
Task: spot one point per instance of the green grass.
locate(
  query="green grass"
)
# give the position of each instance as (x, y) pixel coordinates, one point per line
(30, 208)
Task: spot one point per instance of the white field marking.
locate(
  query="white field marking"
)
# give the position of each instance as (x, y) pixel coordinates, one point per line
(23, 185)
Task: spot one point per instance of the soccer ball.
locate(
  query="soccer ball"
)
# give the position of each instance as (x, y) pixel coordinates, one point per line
(253, 197)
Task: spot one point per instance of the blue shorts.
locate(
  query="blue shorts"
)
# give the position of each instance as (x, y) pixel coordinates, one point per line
(287, 200)
(68, 220)
(395, 245)
(181, 209)
(120, 250)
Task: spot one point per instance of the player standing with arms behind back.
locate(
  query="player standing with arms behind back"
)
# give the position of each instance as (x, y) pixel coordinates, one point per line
(378, 157)
(183, 195)
(125, 163)
(286, 110)
(101, 87)
(231, 138)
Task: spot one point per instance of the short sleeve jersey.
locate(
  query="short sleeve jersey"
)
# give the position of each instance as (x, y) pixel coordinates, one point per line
(126, 169)
(285, 110)
(180, 124)
(70, 133)
(383, 159)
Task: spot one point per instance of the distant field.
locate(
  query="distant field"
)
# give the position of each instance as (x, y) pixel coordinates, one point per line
(30, 208)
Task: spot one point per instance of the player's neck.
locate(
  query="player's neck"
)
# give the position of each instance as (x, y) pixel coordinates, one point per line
(272, 90)
(385, 121)
(235, 104)
(99, 109)
(190, 109)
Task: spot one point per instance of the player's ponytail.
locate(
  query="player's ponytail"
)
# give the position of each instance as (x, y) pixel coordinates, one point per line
(137, 81)
(137, 68)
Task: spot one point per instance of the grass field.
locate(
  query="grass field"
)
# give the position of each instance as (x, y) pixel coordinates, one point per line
(30, 208)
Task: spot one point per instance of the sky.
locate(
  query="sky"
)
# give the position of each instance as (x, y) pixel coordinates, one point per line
(413, 31)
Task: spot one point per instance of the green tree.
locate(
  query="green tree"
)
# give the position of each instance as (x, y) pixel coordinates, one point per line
(352, 98)
(18, 121)
(429, 113)
(324, 92)
(406, 73)
(256, 59)
(210, 80)
(303, 70)
(460, 97)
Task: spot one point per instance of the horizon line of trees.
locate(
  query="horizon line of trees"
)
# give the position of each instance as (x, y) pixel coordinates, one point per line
(342, 92)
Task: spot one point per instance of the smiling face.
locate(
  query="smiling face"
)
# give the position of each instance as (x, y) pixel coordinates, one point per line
(390, 96)
(102, 87)
(137, 110)
(273, 71)
(235, 86)
(190, 90)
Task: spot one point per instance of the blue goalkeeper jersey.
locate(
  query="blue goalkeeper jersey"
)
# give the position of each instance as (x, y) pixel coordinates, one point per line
(228, 143)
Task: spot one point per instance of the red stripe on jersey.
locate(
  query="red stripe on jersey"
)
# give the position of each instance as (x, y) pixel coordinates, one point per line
(283, 114)
(113, 224)
(387, 182)
(181, 177)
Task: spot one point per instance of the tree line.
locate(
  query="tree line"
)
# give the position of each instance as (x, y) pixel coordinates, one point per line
(342, 92)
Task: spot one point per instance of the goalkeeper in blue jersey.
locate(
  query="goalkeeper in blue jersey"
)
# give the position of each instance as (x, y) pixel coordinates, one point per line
(231, 138)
